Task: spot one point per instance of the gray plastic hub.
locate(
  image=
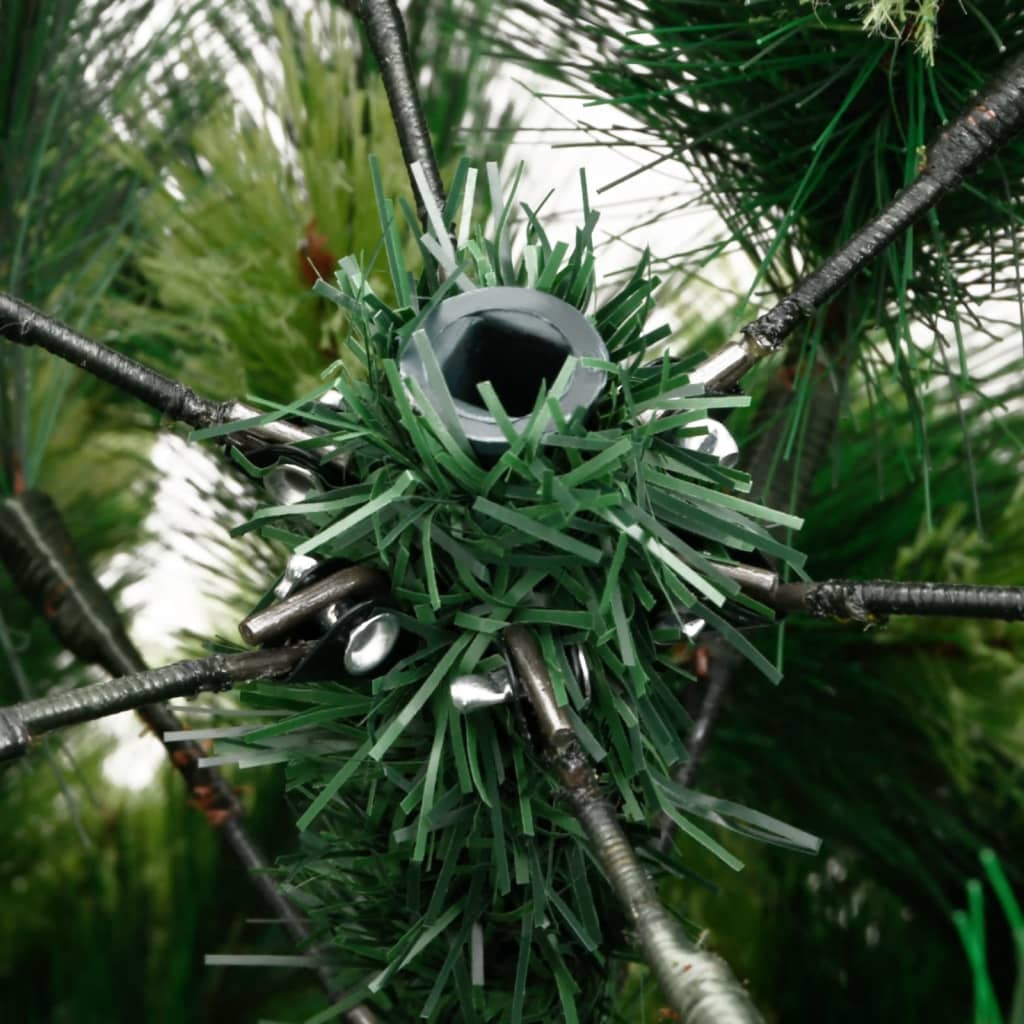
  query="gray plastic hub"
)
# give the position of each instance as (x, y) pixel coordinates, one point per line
(516, 338)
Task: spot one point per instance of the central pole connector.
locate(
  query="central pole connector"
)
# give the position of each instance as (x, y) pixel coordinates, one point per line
(519, 340)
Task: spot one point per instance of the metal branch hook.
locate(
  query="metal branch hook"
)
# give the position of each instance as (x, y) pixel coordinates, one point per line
(699, 985)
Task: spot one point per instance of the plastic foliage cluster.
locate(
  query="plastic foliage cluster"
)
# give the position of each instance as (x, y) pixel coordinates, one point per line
(436, 856)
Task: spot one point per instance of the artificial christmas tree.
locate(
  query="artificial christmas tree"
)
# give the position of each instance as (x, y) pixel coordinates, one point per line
(540, 537)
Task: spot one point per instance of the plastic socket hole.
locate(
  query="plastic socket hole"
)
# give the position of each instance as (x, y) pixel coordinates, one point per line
(518, 339)
(518, 354)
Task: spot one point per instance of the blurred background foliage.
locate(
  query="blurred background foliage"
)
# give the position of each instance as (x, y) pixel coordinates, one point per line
(165, 183)
(116, 930)
(270, 194)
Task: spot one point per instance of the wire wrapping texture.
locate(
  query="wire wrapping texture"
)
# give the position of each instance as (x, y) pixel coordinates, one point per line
(994, 117)
(866, 600)
(699, 985)
(25, 325)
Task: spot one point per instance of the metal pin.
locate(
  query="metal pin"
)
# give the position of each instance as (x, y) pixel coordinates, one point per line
(289, 483)
(532, 675)
(758, 582)
(693, 628)
(716, 441)
(371, 642)
(354, 583)
(491, 689)
(296, 567)
(721, 371)
(299, 569)
(580, 669)
(281, 432)
(481, 690)
(689, 626)
(476, 955)
(333, 399)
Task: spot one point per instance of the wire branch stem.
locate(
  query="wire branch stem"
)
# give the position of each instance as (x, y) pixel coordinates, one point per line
(217, 672)
(25, 325)
(869, 600)
(723, 662)
(992, 119)
(386, 34)
(698, 985)
(43, 560)
(866, 600)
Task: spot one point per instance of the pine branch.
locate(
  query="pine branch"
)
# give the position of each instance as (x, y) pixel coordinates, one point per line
(42, 558)
(977, 134)
(699, 985)
(25, 325)
(867, 600)
(864, 600)
(992, 120)
(386, 34)
(29, 719)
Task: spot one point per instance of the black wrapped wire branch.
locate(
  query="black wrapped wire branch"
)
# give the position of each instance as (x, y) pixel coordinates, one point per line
(41, 556)
(22, 722)
(992, 119)
(870, 600)
(698, 985)
(25, 325)
(386, 34)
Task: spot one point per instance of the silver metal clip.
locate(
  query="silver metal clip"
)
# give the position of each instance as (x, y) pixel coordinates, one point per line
(478, 690)
(372, 631)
